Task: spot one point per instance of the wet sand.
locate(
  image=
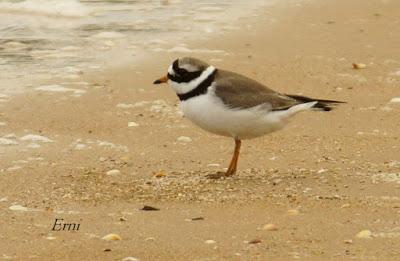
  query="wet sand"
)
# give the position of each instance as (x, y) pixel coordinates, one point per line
(326, 187)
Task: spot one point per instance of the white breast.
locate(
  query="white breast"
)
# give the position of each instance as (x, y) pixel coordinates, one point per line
(208, 112)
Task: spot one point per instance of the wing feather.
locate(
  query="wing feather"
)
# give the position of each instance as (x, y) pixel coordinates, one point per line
(238, 91)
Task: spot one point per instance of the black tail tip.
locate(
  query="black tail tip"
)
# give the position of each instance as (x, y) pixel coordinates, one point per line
(327, 106)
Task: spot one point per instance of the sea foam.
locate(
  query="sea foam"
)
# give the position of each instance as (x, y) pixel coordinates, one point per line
(66, 8)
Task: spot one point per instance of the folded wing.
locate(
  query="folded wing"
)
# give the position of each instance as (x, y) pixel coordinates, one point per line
(238, 91)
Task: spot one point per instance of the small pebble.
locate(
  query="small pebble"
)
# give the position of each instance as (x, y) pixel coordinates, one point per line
(113, 172)
(270, 227)
(80, 146)
(149, 208)
(364, 234)
(111, 237)
(37, 138)
(213, 165)
(395, 100)
(125, 105)
(133, 124)
(18, 208)
(197, 218)
(160, 174)
(130, 258)
(14, 168)
(184, 139)
(348, 241)
(125, 158)
(293, 212)
(210, 241)
(359, 66)
(255, 241)
(345, 205)
(276, 181)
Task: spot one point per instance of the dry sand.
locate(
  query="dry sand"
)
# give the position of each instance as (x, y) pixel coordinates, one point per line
(319, 182)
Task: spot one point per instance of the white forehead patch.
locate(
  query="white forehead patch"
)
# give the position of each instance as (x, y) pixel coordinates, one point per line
(189, 67)
(170, 70)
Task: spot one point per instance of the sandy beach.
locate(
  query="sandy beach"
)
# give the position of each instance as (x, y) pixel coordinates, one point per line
(327, 187)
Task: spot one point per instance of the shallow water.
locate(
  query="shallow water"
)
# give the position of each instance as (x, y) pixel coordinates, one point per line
(41, 39)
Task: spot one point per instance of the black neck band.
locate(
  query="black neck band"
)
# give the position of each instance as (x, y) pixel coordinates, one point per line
(200, 89)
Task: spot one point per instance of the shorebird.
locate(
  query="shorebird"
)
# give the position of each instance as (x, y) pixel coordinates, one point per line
(230, 104)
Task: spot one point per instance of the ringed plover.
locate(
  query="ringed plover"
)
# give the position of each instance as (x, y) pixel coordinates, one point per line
(233, 105)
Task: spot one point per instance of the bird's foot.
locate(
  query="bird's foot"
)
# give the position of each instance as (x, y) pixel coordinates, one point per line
(217, 175)
(220, 174)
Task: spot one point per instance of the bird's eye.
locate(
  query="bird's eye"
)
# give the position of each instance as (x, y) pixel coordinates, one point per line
(182, 72)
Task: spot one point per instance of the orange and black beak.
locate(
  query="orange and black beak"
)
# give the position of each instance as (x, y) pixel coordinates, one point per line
(161, 80)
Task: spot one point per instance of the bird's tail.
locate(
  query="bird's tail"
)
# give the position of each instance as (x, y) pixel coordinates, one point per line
(323, 105)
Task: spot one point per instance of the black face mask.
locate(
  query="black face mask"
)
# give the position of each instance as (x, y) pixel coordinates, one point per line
(182, 75)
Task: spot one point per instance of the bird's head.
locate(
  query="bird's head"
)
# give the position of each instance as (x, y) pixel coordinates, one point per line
(185, 74)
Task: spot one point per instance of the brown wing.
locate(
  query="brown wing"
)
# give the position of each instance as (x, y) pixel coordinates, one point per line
(238, 91)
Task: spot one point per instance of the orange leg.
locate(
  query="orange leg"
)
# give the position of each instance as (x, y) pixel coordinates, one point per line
(232, 166)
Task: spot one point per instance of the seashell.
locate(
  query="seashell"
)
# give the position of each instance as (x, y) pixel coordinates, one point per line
(359, 66)
(18, 208)
(395, 100)
(184, 139)
(111, 237)
(130, 258)
(133, 124)
(270, 227)
(113, 172)
(364, 234)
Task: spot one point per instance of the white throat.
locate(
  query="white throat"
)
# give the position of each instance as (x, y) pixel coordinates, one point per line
(185, 87)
